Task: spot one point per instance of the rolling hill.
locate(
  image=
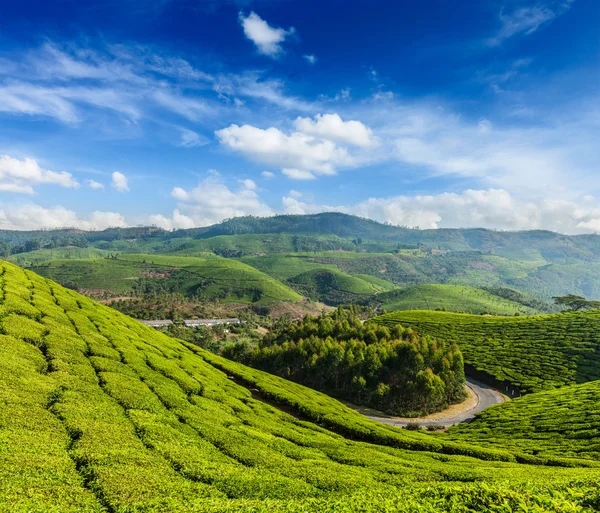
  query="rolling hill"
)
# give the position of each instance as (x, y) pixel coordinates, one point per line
(563, 422)
(454, 298)
(333, 287)
(527, 353)
(210, 277)
(102, 414)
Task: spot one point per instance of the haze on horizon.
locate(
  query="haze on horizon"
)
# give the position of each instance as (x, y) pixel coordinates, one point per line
(181, 114)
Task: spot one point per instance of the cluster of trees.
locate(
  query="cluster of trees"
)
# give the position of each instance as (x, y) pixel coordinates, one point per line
(392, 369)
(575, 303)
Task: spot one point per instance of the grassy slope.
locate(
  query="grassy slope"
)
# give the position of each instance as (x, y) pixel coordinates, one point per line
(215, 277)
(45, 255)
(457, 298)
(101, 413)
(333, 287)
(533, 353)
(562, 422)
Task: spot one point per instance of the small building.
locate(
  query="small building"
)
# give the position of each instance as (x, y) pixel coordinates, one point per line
(194, 323)
(158, 323)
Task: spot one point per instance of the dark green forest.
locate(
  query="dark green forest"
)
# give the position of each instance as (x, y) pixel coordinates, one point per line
(394, 370)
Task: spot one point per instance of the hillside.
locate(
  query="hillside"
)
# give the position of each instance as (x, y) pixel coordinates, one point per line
(454, 298)
(210, 277)
(553, 423)
(395, 371)
(333, 287)
(538, 263)
(530, 353)
(39, 256)
(104, 414)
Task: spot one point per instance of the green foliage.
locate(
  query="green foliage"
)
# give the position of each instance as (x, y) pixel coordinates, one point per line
(332, 287)
(393, 370)
(575, 303)
(100, 413)
(454, 298)
(548, 425)
(531, 353)
(201, 278)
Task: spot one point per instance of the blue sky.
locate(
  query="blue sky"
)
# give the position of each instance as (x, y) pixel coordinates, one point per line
(184, 113)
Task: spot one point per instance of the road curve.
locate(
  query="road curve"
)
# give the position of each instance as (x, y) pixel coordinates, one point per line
(484, 395)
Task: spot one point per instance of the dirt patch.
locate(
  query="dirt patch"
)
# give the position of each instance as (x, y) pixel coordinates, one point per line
(299, 310)
(468, 404)
(158, 274)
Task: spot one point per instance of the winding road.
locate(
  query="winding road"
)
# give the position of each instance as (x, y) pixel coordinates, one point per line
(481, 396)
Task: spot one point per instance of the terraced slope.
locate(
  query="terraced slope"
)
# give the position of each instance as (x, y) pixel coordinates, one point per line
(561, 422)
(531, 353)
(454, 298)
(209, 277)
(99, 413)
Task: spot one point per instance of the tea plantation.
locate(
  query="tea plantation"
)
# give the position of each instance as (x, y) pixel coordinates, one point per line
(532, 353)
(563, 422)
(209, 277)
(99, 413)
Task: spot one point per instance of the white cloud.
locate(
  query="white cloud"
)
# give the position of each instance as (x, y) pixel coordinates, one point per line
(177, 221)
(93, 184)
(20, 176)
(190, 139)
(297, 174)
(484, 126)
(527, 20)
(332, 127)
(311, 59)
(489, 208)
(295, 194)
(249, 184)
(383, 95)
(267, 174)
(295, 151)
(119, 182)
(266, 38)
(35, 217)
(211, 201)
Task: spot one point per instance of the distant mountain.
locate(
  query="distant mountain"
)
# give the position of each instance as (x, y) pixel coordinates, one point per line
(535, 246)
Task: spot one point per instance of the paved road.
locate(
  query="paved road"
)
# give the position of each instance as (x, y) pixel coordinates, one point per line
(485, 397)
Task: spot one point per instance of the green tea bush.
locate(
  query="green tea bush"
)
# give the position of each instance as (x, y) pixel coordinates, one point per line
(106, 415)
(527, 354)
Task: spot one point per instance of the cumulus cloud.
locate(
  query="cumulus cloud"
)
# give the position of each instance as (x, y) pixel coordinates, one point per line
(311, 59)
(266, 38)
(36, 217)
(119, 182)
(297, 174)
(210, 202)
(93, 184)
(332, 127)
(298, 151)
(176, 221)
(267, 174)
(488, 208)
(249, 184)
(20, 176)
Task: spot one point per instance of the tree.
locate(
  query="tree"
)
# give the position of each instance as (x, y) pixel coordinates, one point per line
(32, 245)
(4, 249)
(575, 303)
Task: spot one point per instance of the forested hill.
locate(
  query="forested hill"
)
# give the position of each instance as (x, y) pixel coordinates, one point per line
(521, 245)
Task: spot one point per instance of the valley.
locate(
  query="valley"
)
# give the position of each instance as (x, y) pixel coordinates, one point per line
(249, 417)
